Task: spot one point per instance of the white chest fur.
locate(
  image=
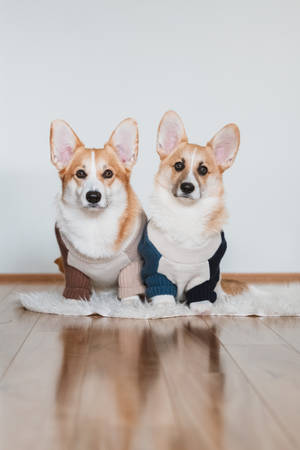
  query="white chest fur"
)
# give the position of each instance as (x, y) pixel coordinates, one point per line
(92, 234)
(186, 225)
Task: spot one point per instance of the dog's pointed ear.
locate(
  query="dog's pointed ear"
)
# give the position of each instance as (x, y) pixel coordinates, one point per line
(125, 141)
(225, 145)
(63, 143)
(170, 134)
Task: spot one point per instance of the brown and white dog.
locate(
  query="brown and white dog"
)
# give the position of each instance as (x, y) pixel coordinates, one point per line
(99, 218)
(187, 215)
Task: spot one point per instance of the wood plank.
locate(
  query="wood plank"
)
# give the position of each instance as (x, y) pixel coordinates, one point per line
(288, 328)
(247, 277)
(272, 368)
(40, 391)
(215, 404)
(274, 373)
(124, 401)
(73, 383)
(6, 289)
(242, 330)
(15, 325)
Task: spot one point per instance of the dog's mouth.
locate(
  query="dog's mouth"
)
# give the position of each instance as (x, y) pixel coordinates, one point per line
(183, 197)
(188, 196)
(93, 207)
(100, 206)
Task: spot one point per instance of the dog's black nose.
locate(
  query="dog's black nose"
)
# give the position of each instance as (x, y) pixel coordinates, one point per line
(93, 196)
(187, 188)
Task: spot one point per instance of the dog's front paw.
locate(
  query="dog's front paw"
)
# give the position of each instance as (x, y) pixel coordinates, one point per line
(201, 308)
(163, 300)
(134, 300)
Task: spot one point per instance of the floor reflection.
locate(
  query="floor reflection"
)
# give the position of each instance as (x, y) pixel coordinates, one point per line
(133, 383)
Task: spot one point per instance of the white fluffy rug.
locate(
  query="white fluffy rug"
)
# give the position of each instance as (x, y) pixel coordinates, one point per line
(259, 300)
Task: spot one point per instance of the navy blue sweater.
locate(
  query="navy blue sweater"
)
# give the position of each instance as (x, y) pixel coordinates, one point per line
(158, 283)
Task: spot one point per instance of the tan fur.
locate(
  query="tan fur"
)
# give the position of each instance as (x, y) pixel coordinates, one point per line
(105, 158)
(109, 161)
(60, 265)
(218, 218)
(233, 287)
(184, 152)
(128, 219)
(210, 184)
(167, 176)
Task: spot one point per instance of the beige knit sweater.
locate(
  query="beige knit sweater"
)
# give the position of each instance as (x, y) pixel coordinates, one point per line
(82, 272)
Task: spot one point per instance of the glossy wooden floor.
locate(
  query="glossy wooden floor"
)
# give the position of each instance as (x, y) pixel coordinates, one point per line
(184, 383)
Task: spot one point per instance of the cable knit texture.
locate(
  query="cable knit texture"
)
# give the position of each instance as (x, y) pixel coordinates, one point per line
(78, 285)
(130, 281)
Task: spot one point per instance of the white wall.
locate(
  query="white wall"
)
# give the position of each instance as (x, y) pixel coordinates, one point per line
(96, 62)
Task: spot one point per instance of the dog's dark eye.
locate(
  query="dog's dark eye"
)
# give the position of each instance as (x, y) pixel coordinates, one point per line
(80, 173)
(202, 170)
(179, 165)
(107, 173)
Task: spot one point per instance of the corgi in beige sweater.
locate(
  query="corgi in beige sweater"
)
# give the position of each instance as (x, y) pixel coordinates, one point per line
(99, 218)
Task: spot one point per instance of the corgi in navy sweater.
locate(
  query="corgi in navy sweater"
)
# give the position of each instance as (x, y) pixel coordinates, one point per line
(183, 242)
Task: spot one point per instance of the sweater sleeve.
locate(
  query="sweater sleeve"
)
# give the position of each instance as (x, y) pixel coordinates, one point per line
(156, 283)
(206, 290)
(130, 281)
(77, 284)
